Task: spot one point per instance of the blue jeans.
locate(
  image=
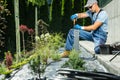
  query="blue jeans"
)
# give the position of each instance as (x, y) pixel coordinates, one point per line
(85, 35)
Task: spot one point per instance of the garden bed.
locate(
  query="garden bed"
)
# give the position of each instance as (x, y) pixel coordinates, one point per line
(91, 65)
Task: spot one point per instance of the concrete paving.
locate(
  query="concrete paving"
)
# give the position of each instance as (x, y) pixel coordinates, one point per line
(112, 66)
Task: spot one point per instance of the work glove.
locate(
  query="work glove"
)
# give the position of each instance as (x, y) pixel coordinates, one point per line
(74, 16)
(77, 27)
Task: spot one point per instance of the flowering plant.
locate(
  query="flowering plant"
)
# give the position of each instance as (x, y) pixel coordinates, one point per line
(23, 28)
(30, 31)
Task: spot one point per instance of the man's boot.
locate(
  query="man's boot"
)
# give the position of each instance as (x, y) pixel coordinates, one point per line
(65, 54)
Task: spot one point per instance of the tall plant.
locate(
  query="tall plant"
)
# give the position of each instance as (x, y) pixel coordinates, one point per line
(23, 29)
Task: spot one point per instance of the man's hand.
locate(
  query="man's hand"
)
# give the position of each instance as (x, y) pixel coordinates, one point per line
(74, 16)
(77, 27)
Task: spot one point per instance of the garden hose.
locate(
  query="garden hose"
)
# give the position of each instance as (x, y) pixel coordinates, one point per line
(82, 75)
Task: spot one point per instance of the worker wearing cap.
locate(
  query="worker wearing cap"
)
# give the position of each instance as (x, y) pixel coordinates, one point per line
(96, 32)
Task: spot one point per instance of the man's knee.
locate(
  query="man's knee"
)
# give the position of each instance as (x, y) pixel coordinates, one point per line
(71, 32)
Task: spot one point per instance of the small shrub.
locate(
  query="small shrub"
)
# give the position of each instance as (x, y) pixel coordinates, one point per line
(74, 62)
(56, 57)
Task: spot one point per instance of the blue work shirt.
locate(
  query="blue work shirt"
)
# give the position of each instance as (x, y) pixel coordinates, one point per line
(101, 17)
(100, 34)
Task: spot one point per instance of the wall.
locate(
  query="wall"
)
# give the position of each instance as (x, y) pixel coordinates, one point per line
(113, 10)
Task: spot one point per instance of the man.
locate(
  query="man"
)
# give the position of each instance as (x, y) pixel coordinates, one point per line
(96, 32)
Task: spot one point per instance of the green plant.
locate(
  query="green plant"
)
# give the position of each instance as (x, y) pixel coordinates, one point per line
(4, 70)
(56, 57)
(23, 61)
(18, 65)
(74, 62)
(38, 60)
(56, 41)
(53, 41)
(47, 46)
(7, 72)
(37, 66)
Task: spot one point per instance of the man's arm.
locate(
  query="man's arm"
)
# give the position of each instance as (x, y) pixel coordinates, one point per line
(78, 15)
(82, 15)
(93, 27)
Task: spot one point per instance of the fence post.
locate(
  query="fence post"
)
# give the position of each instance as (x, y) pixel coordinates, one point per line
(16, 12)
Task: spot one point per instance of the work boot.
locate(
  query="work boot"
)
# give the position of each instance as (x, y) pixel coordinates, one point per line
(65, 54)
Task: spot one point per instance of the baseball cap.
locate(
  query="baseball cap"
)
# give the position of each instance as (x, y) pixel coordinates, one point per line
(90, 3)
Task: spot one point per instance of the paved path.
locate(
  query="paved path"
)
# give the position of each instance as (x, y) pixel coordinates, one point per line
(113, 66)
